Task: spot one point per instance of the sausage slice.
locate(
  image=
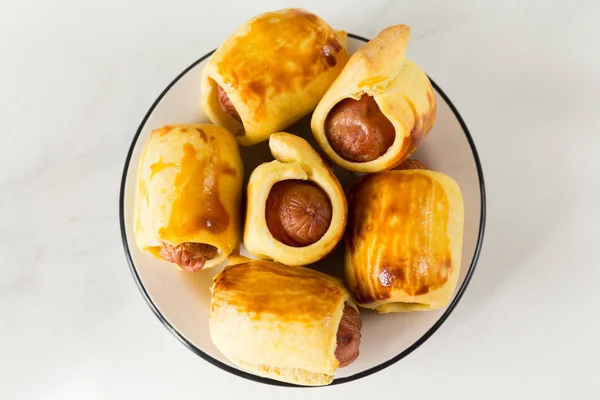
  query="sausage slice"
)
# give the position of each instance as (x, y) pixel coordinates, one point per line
(226, 104)
(189, 256)
(348, 336)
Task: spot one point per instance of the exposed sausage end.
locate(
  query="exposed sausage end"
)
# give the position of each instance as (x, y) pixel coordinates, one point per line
(298, 213)
(189, 256)
(348, 337)
(226, 104)
(358, 131)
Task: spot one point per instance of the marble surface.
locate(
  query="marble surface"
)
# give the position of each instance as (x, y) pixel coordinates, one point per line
(77, 77)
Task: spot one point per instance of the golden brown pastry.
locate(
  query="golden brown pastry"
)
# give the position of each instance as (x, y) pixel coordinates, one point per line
(296, 211)
(404, 243)
(187, 205)
(291, 324)
(343, 36)
(379, 108)
(271, 72)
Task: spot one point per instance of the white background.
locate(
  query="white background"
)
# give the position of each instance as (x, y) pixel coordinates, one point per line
(76, 78)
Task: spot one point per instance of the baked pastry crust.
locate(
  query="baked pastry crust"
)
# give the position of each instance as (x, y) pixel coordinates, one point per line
(188, 190)
(404, 242)
(294, 159)
(400, 88)
(275, 69)
(277, 321)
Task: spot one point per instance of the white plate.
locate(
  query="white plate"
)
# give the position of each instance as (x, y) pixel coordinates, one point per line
(181, 300)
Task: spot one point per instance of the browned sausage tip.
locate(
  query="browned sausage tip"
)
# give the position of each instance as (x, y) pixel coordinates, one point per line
(411, 164)
(348, 337)
(298, 213)
(189, 256)
(358, 131)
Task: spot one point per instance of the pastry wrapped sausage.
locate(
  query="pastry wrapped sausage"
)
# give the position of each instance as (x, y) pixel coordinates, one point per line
(404, 242)
(292, 324)
(296, 207)
(378, 110)
(271, 72)
(188, 195)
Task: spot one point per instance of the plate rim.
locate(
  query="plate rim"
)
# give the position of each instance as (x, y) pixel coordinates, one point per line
(269, 381)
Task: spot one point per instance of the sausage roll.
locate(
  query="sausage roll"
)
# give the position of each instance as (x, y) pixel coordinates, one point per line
(404, 242)
(187, 206)
(296, 208)
(378, 110)
(291, 324)
(271, 72)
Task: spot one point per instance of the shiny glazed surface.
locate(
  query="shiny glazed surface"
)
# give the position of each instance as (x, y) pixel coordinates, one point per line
(188, 193)
(398, 236)
(279, 52)
(291, 293)
(199, 205)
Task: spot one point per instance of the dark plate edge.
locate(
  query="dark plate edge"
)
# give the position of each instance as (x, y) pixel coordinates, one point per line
(255, 378)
